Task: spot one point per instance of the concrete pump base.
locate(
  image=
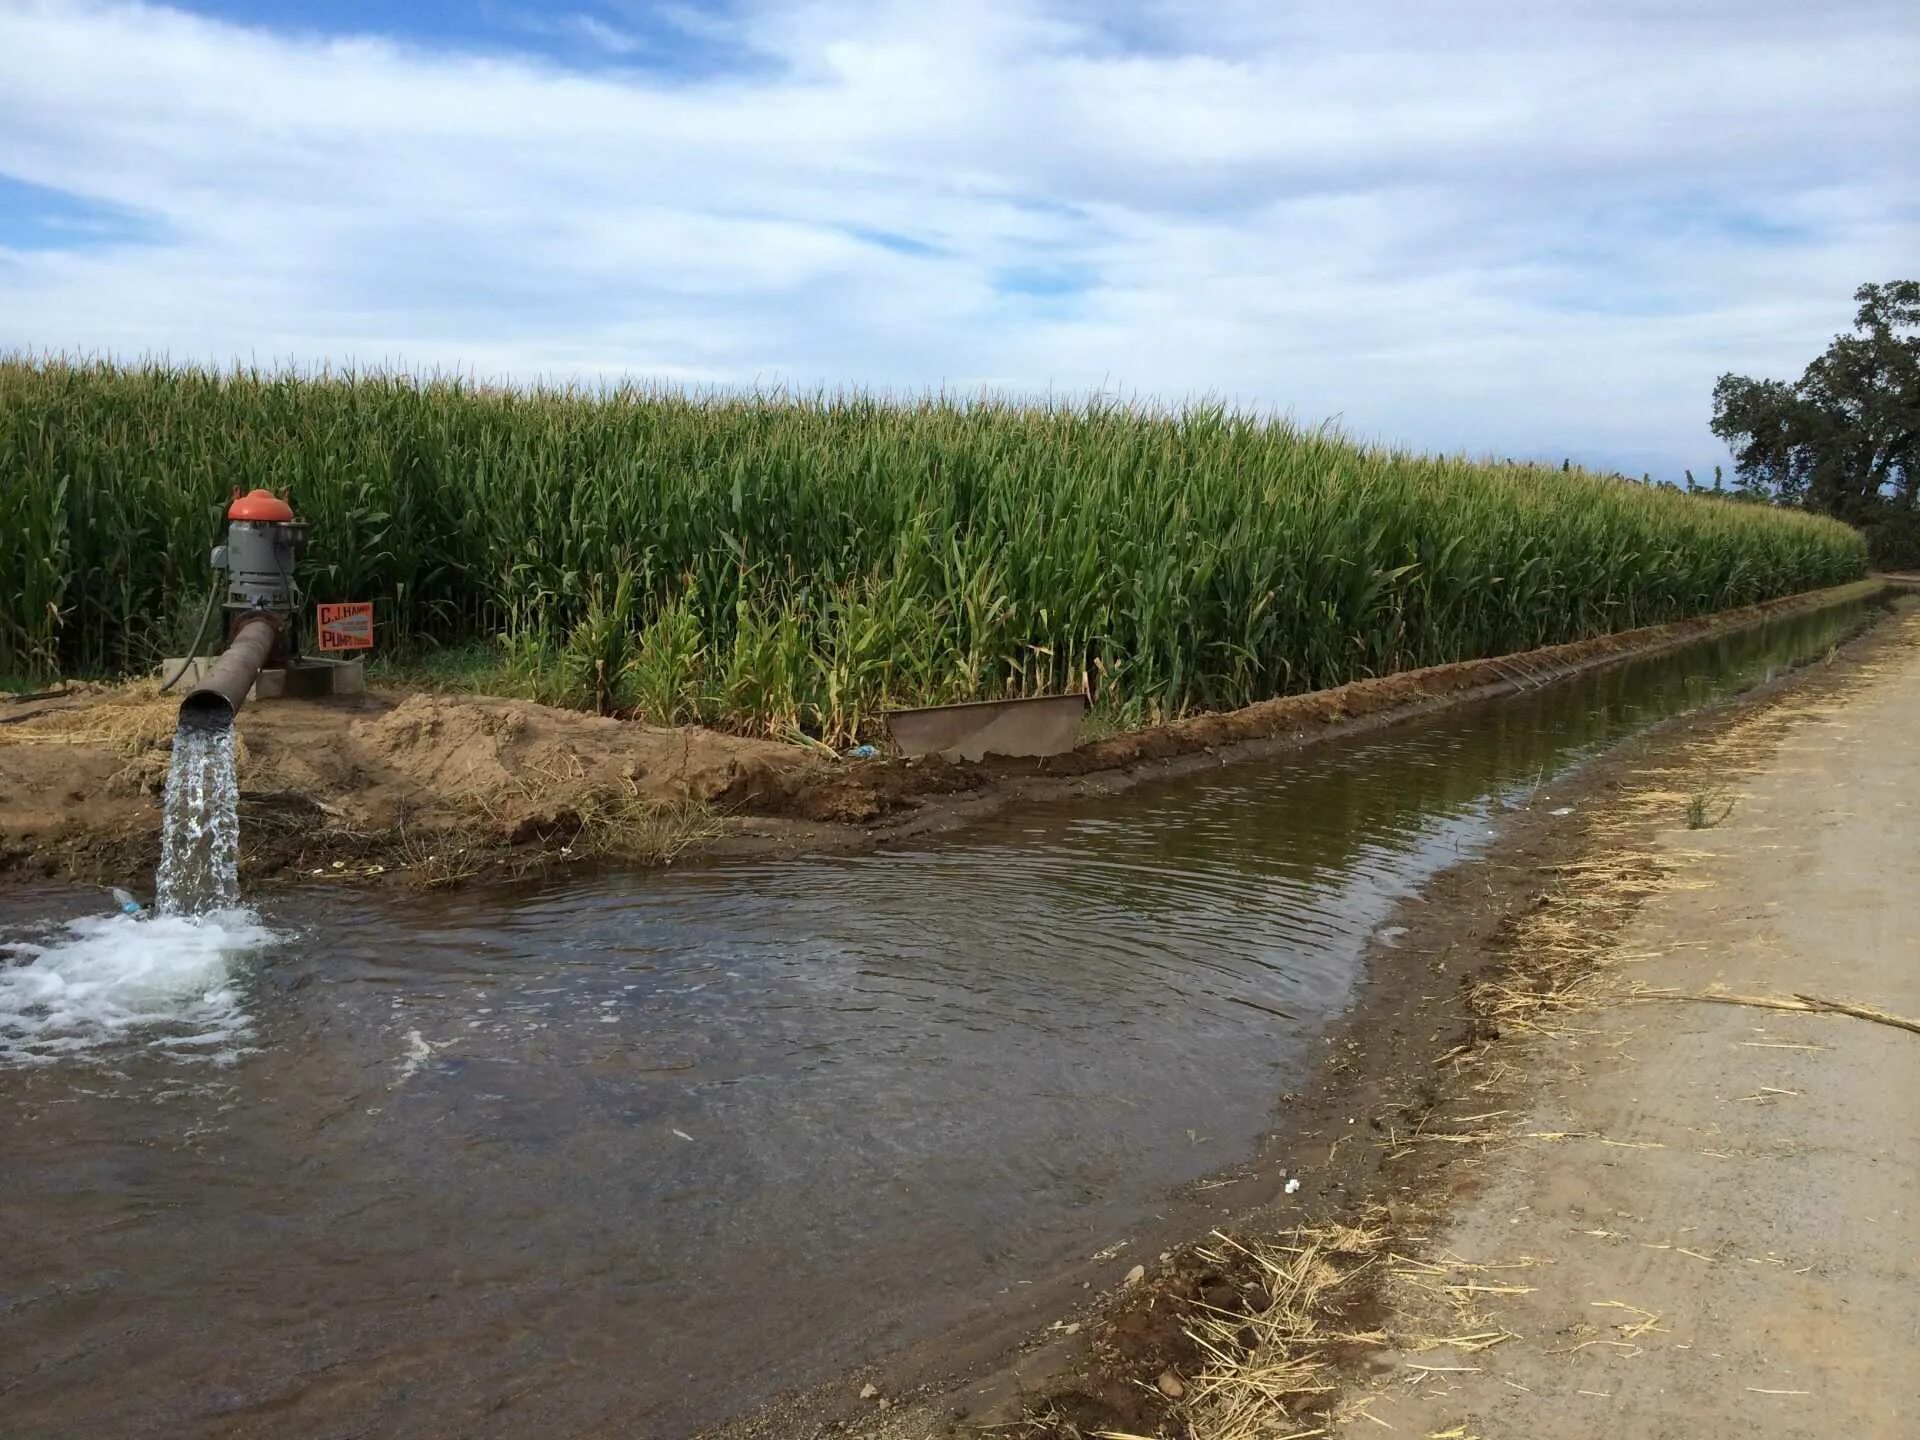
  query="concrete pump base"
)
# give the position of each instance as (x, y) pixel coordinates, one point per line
(307, 680)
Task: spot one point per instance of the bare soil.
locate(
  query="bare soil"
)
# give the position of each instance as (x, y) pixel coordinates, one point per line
(437, 788)
(431, 786)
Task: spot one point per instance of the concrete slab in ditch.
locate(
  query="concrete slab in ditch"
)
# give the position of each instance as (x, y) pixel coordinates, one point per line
(1041, 725)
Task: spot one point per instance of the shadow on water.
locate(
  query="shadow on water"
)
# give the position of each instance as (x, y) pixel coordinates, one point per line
(639, 1151)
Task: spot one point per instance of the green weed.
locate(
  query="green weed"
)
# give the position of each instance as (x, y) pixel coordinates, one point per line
(1707, 808)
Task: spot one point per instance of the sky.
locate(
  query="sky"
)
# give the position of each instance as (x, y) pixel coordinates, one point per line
(1514, 229)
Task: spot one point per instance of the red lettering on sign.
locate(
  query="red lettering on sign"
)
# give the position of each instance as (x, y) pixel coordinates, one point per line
(346, 627)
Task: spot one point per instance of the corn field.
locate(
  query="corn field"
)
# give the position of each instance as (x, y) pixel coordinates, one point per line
(778, 565)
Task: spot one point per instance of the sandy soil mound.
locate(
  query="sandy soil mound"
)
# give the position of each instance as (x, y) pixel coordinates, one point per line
(377, 781)
(511, 758)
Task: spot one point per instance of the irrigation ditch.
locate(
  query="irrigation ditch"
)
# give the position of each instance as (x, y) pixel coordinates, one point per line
(689, 1115)
(1294, 1293)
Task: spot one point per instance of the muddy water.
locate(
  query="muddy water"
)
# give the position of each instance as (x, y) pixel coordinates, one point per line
(625, 1156)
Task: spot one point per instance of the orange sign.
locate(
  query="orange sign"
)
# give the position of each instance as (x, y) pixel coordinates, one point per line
(346, 627)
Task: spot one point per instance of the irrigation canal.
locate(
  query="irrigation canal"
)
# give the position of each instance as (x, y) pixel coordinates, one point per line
(633, 1152)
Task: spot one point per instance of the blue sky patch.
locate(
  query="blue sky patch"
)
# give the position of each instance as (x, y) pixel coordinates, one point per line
(894, 241)
(37, 217)
(688, 41)
(1757, 229)
(1043, 282)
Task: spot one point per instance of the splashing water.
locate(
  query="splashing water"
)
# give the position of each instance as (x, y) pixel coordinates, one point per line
(164, 983)
(200, 837)
(103, 983)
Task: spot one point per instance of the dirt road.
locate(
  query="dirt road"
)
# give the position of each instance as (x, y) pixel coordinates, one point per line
(1709, 1223)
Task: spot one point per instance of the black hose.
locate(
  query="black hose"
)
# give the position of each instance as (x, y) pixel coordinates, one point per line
(193, 650)
(293, 604)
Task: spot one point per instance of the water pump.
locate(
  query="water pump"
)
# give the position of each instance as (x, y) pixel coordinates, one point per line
(262, 605)
(263, 541)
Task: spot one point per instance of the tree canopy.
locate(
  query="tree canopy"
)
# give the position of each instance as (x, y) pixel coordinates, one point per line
(1844, 438)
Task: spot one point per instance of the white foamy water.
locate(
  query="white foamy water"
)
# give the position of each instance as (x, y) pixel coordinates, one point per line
(168, 982)
(200, 836)
(104, 984)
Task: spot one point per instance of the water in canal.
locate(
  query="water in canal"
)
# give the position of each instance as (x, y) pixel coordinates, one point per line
(624, 1155)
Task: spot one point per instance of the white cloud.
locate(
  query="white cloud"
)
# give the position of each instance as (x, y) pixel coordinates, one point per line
(1498, 227)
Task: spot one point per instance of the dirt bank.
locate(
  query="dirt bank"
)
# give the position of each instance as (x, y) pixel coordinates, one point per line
(433, 786)
(438, 788)
(1520, 1181)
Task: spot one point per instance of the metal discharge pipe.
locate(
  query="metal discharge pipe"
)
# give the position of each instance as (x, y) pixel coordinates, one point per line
(212, 704)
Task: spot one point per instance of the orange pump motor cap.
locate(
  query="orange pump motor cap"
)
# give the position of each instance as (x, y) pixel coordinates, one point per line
(259, 505)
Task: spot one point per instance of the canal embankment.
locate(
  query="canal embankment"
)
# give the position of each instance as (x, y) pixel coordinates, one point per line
(434, 788)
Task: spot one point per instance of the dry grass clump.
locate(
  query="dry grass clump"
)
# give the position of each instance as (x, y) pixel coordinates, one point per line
(127, 721)
(135, 722)
(543, 822)
(618, 822)
(575, 814)
(434, 860)
(1271, 1374)
(1275, 1374)
(602, 823)
(1564, 948)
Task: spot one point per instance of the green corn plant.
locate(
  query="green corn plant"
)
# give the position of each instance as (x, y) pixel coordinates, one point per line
(807, 560)
(666, 675)
(600, 647)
